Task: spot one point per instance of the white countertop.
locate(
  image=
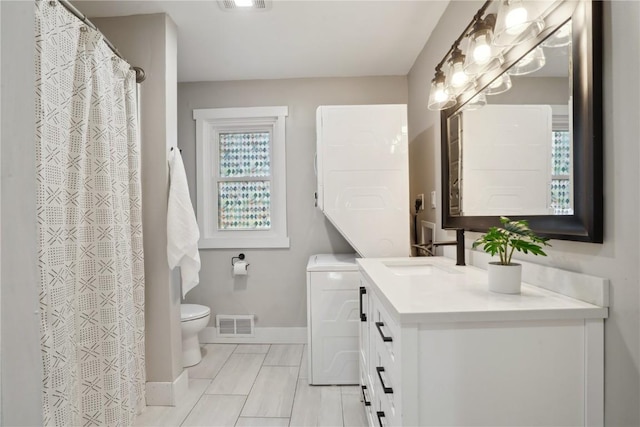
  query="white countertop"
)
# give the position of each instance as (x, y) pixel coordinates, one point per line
(434, 289)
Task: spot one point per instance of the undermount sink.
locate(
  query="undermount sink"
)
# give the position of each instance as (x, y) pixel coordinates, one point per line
(416, 268)
(410, 269)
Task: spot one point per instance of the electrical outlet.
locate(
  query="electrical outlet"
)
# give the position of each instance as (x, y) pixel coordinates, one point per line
(421, 198)
(433, 200)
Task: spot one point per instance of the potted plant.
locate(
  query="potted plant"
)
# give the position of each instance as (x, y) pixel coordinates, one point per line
(506, 276)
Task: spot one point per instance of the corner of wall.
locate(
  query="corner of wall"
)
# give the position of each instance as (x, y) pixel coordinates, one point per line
(21, 357)
(150, 42)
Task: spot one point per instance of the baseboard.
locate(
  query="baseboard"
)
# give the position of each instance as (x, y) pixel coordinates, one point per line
(167, 393)
(261, 336)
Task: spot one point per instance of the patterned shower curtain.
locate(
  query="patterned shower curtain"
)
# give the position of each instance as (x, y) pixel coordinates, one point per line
(89, 221)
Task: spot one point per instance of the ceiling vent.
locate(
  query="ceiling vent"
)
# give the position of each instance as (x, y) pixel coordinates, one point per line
(239, 5)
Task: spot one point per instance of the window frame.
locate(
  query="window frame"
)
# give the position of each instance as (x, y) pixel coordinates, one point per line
(211, 122)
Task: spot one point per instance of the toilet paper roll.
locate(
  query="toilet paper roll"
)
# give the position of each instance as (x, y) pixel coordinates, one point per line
(240, 268)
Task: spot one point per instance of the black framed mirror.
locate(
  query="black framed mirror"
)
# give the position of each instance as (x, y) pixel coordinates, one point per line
(477, 187)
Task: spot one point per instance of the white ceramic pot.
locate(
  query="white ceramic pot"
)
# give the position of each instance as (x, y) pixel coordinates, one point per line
(505, 279)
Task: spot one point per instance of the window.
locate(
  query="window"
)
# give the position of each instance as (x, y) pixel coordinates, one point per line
(561, 163)
(241, 177)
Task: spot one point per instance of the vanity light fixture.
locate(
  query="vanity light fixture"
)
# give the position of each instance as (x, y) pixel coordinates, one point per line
(529, 63)
(517, 22)
(439, 96)
(444, 89)
(457, 80)
(243, 3)
(482, 55)
(491, 37)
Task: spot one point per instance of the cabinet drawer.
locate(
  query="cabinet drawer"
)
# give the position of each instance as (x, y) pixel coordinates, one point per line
(384, 332)
(384, 365)
(386, 379)
(383, 405)
(366, 387)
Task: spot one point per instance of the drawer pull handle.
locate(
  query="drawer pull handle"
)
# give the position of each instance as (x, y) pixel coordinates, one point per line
(379, 325)
(387, 390)
(363, 316)
(364, 396)
(380, 415)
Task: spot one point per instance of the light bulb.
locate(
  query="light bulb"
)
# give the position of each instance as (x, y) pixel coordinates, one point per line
(482, 55)
(515, 19)
(458, 77)
(441, 95)
(482, 51)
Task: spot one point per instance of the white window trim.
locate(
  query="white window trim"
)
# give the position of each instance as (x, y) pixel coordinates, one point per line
(212, 120)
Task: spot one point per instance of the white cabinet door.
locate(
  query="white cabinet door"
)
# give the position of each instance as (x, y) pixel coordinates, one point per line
(363, 176)
(335, 321)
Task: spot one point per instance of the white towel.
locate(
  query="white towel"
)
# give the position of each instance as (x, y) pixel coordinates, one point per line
(182, 228)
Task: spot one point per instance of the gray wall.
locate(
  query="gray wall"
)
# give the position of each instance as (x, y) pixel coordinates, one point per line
(275, 289)
(21, 361)
(534, 90)
(150, 41)
(618, 258)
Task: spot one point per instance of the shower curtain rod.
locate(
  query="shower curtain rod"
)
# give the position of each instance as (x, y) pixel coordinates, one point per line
(140, 74)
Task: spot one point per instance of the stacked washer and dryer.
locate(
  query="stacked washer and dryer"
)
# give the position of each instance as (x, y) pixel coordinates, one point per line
(363, 189)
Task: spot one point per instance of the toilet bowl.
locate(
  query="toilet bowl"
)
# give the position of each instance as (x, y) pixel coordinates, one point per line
(193, 319)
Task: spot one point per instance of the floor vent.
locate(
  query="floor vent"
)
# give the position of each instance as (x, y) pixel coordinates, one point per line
(235, 325)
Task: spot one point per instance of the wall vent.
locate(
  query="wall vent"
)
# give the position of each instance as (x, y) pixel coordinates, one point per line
(235, 325)
(230, 5)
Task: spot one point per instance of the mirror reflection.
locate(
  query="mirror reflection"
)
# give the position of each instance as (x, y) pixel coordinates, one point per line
(511, 145)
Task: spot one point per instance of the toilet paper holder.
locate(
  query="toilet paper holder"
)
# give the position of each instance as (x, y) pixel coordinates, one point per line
(240, 257)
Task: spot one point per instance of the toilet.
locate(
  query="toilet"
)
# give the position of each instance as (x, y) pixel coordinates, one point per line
(193, 319)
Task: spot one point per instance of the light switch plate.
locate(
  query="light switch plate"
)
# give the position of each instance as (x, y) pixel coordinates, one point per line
(433, 200)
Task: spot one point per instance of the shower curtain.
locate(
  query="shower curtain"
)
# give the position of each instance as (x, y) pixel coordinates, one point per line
(89, 226)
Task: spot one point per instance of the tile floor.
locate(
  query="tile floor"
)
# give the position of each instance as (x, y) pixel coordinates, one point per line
(257, 386)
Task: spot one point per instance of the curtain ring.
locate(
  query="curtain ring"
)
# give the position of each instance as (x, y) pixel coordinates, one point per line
(84, 29)
(53, 3)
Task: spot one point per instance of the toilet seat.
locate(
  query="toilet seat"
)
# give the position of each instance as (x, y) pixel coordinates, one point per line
(193, 311)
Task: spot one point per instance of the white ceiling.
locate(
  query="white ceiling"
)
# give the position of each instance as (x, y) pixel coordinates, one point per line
(294, 39)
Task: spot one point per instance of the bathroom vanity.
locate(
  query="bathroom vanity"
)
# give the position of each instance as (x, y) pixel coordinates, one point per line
(438, 349)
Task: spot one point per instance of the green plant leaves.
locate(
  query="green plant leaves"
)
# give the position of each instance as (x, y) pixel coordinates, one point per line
(513, 236)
